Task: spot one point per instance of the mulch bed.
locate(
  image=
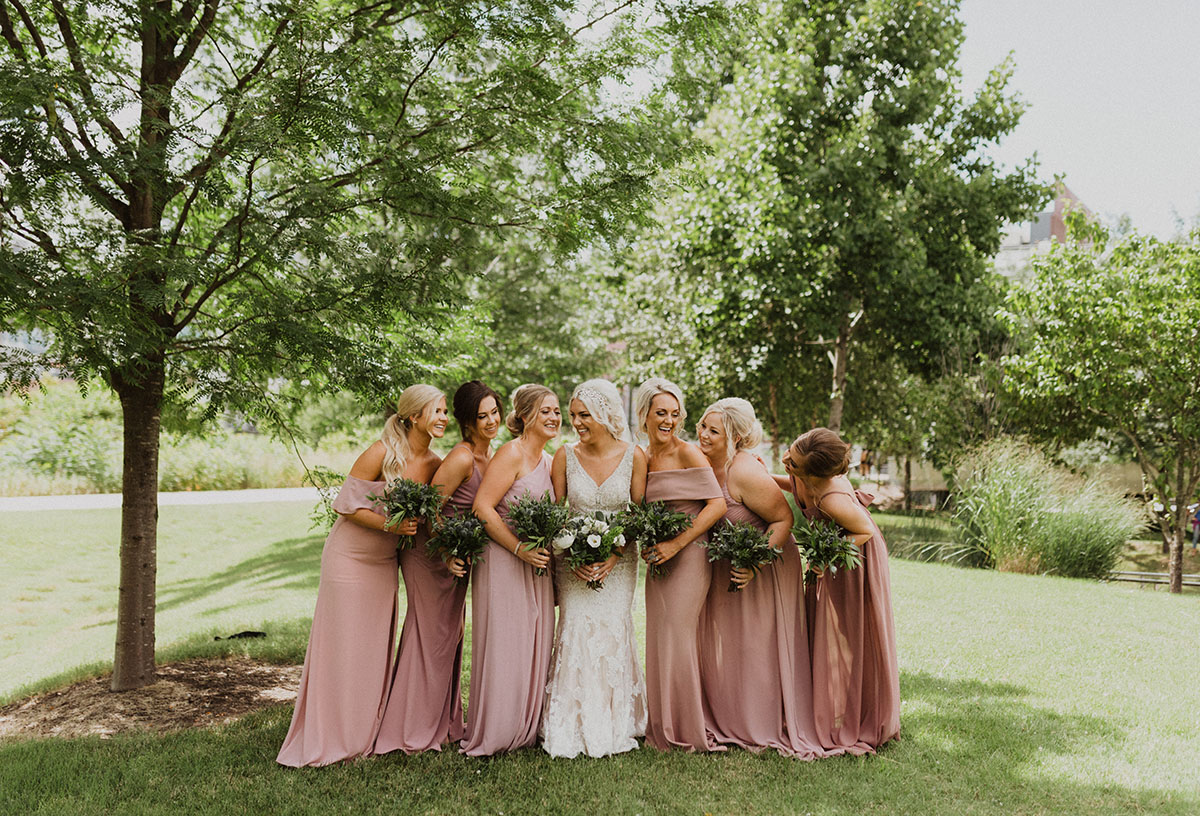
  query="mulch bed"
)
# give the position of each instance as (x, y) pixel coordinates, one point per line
(192, 694)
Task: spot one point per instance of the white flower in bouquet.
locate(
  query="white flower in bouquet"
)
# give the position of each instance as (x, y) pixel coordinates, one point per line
(594, 540)
(619, 541)
(563, 541)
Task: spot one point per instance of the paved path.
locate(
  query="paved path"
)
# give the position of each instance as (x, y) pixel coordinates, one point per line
(94, 501)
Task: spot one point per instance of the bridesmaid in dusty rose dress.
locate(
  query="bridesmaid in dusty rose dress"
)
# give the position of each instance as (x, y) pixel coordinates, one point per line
(344, 684)
(856, 677)
(424, 706)
(754, 662)
(512, 609)
(680, 475)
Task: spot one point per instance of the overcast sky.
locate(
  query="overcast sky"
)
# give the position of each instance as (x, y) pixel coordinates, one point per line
(1113, 89)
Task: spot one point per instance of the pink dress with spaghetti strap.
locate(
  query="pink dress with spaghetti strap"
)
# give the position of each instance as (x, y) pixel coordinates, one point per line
(673, 604)
(512, 632)
(856, 676)
(344, 683)
(754, 662)
(424, 706)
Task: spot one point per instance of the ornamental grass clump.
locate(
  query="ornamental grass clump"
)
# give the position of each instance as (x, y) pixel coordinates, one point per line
(589, 539)
(537, 521)
(649, 524)
(823, 547)
(459, 536)
(743, 545)
(1022, 513)
(405, 499)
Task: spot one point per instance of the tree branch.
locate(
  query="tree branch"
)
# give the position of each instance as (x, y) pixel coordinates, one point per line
(81, 76)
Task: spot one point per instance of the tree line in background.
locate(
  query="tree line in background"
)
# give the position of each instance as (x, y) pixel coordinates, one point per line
(216, 207)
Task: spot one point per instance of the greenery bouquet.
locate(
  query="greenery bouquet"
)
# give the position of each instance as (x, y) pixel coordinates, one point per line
(405, 499)
(743, 545)
(649, 523)
(823, 547)
(589, 539)
(460, 536)
(537, 522)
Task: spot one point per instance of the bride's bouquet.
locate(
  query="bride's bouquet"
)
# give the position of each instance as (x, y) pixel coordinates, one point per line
(589, 539)
(461, 536)
(743, 545)
(823, 547)
(537, 522)
(405, 499)
(648, 524)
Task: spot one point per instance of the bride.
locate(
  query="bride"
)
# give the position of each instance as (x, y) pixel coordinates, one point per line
(596, 696)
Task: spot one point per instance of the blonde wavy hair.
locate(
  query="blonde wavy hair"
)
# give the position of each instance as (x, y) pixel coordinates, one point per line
(742, 429)
(416, 400)
(646, 393)
(526, 401)
(603, 402)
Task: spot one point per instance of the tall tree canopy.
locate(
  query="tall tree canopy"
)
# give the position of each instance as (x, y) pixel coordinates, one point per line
(847, 201)
(201, 195)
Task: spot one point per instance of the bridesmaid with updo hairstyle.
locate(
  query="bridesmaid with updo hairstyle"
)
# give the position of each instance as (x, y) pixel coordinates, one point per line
(856, 677)
(754, 662)
(424, 707)
(512, 608)
(347, 668)
(680, 475)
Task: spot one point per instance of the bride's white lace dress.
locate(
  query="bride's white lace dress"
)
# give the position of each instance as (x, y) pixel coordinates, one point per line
(596, 695)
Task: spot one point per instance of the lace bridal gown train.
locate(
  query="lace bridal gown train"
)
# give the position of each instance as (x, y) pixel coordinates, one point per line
(596, 695)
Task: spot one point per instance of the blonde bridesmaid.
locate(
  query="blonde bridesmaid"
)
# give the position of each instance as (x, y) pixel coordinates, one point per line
(856, 678)
(754, 662)
(347, 668)
(679, 474)
(424, 708)
(512, 608)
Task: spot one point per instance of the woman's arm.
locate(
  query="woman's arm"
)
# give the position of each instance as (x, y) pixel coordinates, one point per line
(749, 480)
(454, 472)
(500, 475)
(848, 514)
(637, 487)
(369, 467)
(558, 473)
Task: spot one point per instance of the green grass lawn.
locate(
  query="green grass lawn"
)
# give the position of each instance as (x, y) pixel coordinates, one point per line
(1021, 694)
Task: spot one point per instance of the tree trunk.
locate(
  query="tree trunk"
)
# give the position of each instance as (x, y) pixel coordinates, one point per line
(141, 404)
(908, 483)
(841, 350)
(773, 408)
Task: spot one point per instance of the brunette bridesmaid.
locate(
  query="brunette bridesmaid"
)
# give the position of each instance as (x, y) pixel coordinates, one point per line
(679, 474)
(754, 663)
(424, 706)
(856, 678)
(347, 668)
(512, 608)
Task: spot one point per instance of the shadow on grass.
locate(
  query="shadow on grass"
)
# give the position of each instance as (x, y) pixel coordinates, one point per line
(294, 563)
(969, 747)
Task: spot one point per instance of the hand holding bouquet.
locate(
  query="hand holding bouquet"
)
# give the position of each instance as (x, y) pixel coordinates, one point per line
(589, 539)
(405, 499)
(743, 545)
(461, 536)
(650, 523)
(823, 547)
(537, 522)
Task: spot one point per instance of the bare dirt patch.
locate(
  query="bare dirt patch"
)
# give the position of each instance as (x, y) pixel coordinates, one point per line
(192, 694)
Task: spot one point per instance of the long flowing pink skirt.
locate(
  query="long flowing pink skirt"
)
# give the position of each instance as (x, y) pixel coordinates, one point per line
(343, 687)
(856, 677)
(512, 632)
(424, 707)
(754, 660)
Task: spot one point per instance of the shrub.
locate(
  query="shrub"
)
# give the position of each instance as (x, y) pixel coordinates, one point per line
(1021, 513)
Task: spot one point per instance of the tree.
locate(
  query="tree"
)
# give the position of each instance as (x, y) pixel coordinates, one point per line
(1109, 340)
(846, 202)
(201, 196)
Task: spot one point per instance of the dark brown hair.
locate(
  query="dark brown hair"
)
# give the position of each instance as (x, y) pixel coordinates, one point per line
(466, 405)
(820, 453)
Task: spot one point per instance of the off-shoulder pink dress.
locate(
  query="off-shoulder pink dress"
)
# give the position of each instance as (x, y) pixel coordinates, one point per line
(673, 604)
(344, 684)
(856, 676)
(424, 706)
(754, 662)
(512, 632)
